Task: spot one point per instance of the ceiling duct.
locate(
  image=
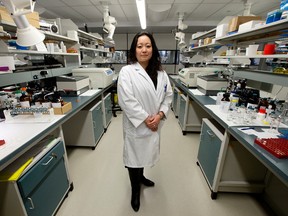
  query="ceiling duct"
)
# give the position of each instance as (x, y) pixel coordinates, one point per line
(158, 12)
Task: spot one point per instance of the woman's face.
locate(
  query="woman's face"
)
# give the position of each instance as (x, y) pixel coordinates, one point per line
(143, 50)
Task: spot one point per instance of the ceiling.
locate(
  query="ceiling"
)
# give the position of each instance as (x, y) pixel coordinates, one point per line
(162, 15)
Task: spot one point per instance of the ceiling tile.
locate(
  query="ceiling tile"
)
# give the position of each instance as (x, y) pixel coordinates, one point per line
(186, 1)
(90, 12)
(127, 2)
(186, 8)
(68, 13)
(160, 1)
(50, 3)
(197, 12)
(258, 8)
(130, 12)
(76, 2)
(216, 1)
(105, 2)
(205, 10)
(228, 10)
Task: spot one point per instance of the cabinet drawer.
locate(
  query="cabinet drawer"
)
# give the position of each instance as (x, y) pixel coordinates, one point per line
(39, 171)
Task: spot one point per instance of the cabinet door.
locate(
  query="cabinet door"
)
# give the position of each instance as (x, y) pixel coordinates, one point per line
(97, 117)
(208, 152)
(176, 101)
(174, 104)
(46, 197)
(43, 187)
(182, 111)
(108, 108)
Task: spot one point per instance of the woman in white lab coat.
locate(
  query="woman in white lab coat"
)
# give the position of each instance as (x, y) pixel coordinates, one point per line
(145, 95)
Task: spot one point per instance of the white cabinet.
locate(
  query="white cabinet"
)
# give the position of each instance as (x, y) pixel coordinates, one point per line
(85, 128)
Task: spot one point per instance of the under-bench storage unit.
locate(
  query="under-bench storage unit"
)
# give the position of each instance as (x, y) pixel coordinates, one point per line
(226, 165)
(86, 127)
(40, 189)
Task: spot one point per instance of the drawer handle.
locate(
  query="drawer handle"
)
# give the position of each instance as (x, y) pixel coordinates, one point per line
(210, 133)
(31, 202)
(45, 164)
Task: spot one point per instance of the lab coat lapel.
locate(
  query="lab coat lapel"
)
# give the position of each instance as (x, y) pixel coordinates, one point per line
(143, 73)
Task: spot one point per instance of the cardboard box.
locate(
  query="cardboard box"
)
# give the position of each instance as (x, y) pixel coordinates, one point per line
(64, 109)
(33, 18)
(34, 23)
(236, 21)
(5, 16)
(207, 41)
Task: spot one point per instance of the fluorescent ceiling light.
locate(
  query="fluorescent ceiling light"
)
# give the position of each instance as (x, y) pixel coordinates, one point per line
(141, 12)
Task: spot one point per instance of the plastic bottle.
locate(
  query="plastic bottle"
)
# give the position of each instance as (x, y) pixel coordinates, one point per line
(225, 103)
(269, 110)
(63, 47)
(261, 114)
(234, 99)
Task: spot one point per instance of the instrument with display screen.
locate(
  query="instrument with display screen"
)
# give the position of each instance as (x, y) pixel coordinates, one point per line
(188, 76)
(98, 77)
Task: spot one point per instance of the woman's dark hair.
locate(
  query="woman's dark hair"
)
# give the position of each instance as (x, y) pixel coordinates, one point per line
(155, 61)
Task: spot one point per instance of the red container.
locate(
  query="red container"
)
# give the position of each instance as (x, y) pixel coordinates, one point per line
(269, 49)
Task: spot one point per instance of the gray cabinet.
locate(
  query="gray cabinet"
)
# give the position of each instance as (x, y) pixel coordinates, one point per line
(85, 128)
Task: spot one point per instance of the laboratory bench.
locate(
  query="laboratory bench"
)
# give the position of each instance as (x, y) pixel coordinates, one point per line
(229, 159)
(49, 176)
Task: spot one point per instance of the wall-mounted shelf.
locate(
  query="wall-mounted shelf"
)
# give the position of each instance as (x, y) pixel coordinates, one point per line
(34, 52)
(269, 31)
(208, 46)
(93, 49)
(88, 36)
(263, 76)
(58, 37)
(254, 56)
(209, 33)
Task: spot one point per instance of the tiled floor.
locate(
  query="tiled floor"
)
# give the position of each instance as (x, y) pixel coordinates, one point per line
(102, 187)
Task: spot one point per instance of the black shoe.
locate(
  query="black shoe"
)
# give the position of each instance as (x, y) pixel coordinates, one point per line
(135, 201)
(147, 182)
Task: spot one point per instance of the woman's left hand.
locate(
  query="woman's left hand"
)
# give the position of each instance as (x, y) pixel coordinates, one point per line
(152, 122)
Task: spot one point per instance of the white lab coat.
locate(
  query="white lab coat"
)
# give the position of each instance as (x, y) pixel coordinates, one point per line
(138, 99)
